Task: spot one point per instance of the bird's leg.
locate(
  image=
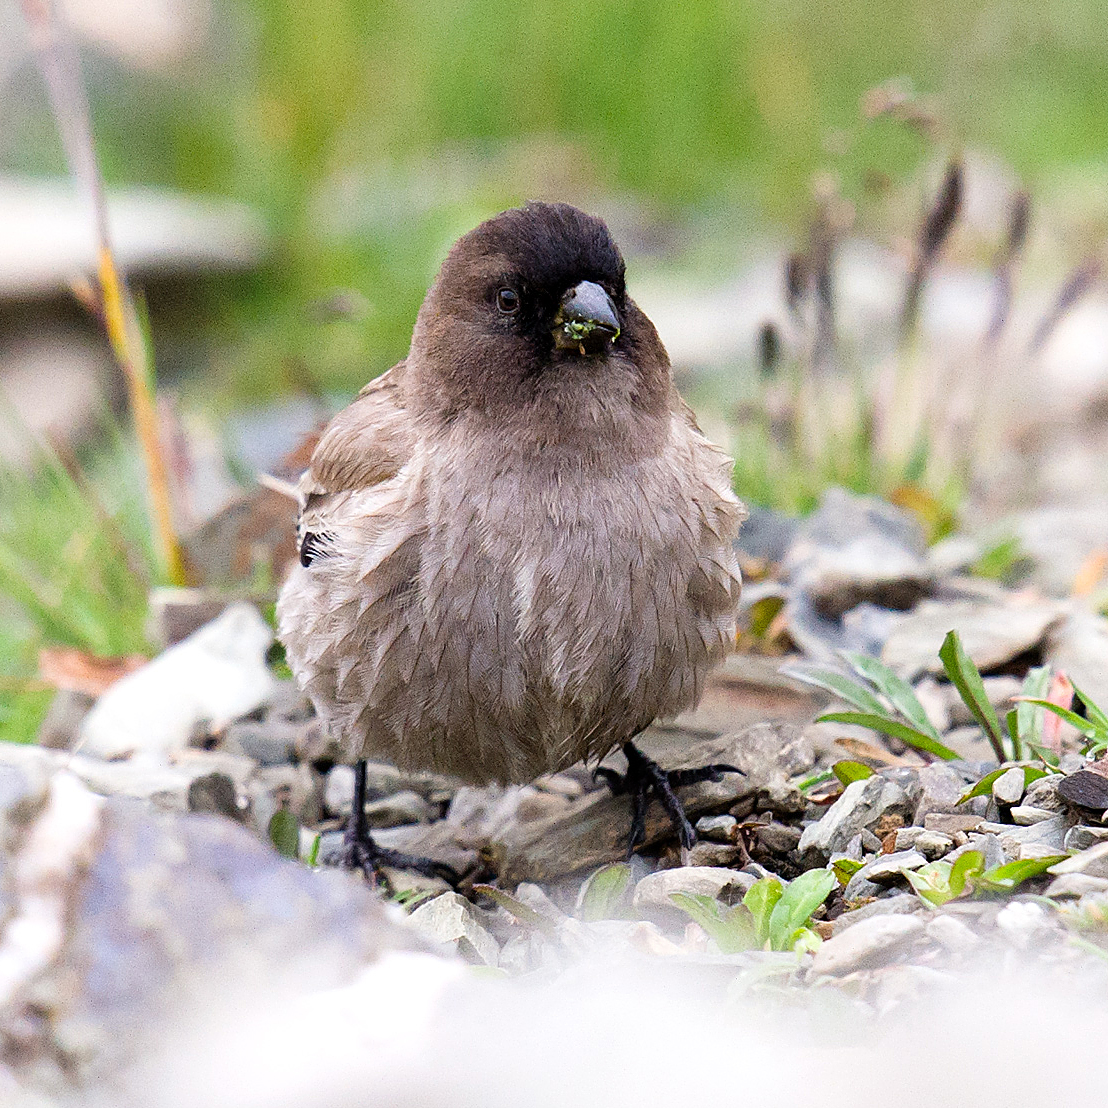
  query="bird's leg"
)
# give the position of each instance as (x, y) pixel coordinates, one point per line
(359, 851)
(643, 777)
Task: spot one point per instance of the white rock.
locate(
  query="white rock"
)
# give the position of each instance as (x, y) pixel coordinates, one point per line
(866, 945)
(952, 933)
(452, 921)
(655, 890)
(214, 676)
(1092, 862)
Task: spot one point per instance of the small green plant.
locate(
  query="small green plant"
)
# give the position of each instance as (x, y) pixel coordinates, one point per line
(939, 882)
(772, 915)
(885, 702)
(1093, 726)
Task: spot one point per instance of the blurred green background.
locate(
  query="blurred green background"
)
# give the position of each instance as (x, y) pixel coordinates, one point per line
(371, 133)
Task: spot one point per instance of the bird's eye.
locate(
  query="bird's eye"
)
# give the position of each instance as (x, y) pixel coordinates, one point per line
(507, 300)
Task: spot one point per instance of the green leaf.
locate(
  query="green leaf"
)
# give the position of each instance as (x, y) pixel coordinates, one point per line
(313, 854)
(1029, 719)
(984, 787)
(887, 726)
(1012, 722)
(731, 929)
(845, 688)
(1011, 875)
(1084, 726)
(601, 896)
(847, 771)
(1092, 711)
(284, 833)
(845, 868)
(525, 915)
(761, 898)
(931, 883)
(795, 907)
(895, 689)
(966, 867)
(966, 678)
(820, 778)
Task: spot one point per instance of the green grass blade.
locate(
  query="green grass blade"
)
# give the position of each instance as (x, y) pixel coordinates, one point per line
(838, 684)
(885, 726)
(966, 678)
(895, 689)
(1084, 726)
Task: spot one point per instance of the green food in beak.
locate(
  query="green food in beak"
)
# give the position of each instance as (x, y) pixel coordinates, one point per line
(586, 320)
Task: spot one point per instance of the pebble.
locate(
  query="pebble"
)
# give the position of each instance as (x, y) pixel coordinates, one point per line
(1081, 836)
(861, 805)
(899, 904)
(1085, 789)
(868, 944)
(1093, 862)
(1024, 922)
(714, 854)
(451, 921)
(1008, 787)
(1075, 885)
(779, 837)
(399, 810)
(1043, 793)
(1026, 814)
(933, 844)
(952, 933)
(941, 787)
(718, 829)
(656, 889)
(951, 823)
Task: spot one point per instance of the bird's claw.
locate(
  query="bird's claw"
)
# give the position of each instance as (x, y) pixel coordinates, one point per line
(643, 777)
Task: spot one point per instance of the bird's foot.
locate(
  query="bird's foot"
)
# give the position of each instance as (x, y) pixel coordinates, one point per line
(643, 777)
(360, 852)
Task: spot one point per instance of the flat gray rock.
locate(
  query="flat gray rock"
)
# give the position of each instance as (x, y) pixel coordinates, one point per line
(867, 945)
(859, 808)
(992, 633)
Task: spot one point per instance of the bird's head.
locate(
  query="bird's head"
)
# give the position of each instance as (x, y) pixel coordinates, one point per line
(534, 302)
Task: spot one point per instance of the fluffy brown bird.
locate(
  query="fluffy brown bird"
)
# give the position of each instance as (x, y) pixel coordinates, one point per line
(515, 545)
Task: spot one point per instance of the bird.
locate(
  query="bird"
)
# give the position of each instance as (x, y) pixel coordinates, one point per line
(516, 546)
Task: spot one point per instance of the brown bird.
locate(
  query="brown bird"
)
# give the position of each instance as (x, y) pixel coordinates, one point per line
(516, 544)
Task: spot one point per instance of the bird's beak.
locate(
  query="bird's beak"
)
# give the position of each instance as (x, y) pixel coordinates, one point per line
(586, 320)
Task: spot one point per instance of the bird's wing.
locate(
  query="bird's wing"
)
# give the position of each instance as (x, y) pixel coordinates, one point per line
(363, 446)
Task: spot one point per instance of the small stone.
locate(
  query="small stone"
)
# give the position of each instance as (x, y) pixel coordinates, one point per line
(1075, 885)
(714, 854)
(1082, 836)
(1085, 789)
(338, 790)
(718, 829)
(779, 837)
(452, 921)
(952, 933)
(940, 790)
(538, 804)
(655, 889)
(948, 823)
(1008, 787)
(293, 787)
(398, 810)
(1049, 833)
(934, 844)
(215, 792)
(1043, 793)
(906, 838)
(987, 845)
(860, 807)
(889, 867)
(1093, 862)
(271, 743)
(867, 945)
(1025, 814)
(897, 905)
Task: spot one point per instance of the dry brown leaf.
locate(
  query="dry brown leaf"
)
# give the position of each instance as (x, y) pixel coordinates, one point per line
(66, 667)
